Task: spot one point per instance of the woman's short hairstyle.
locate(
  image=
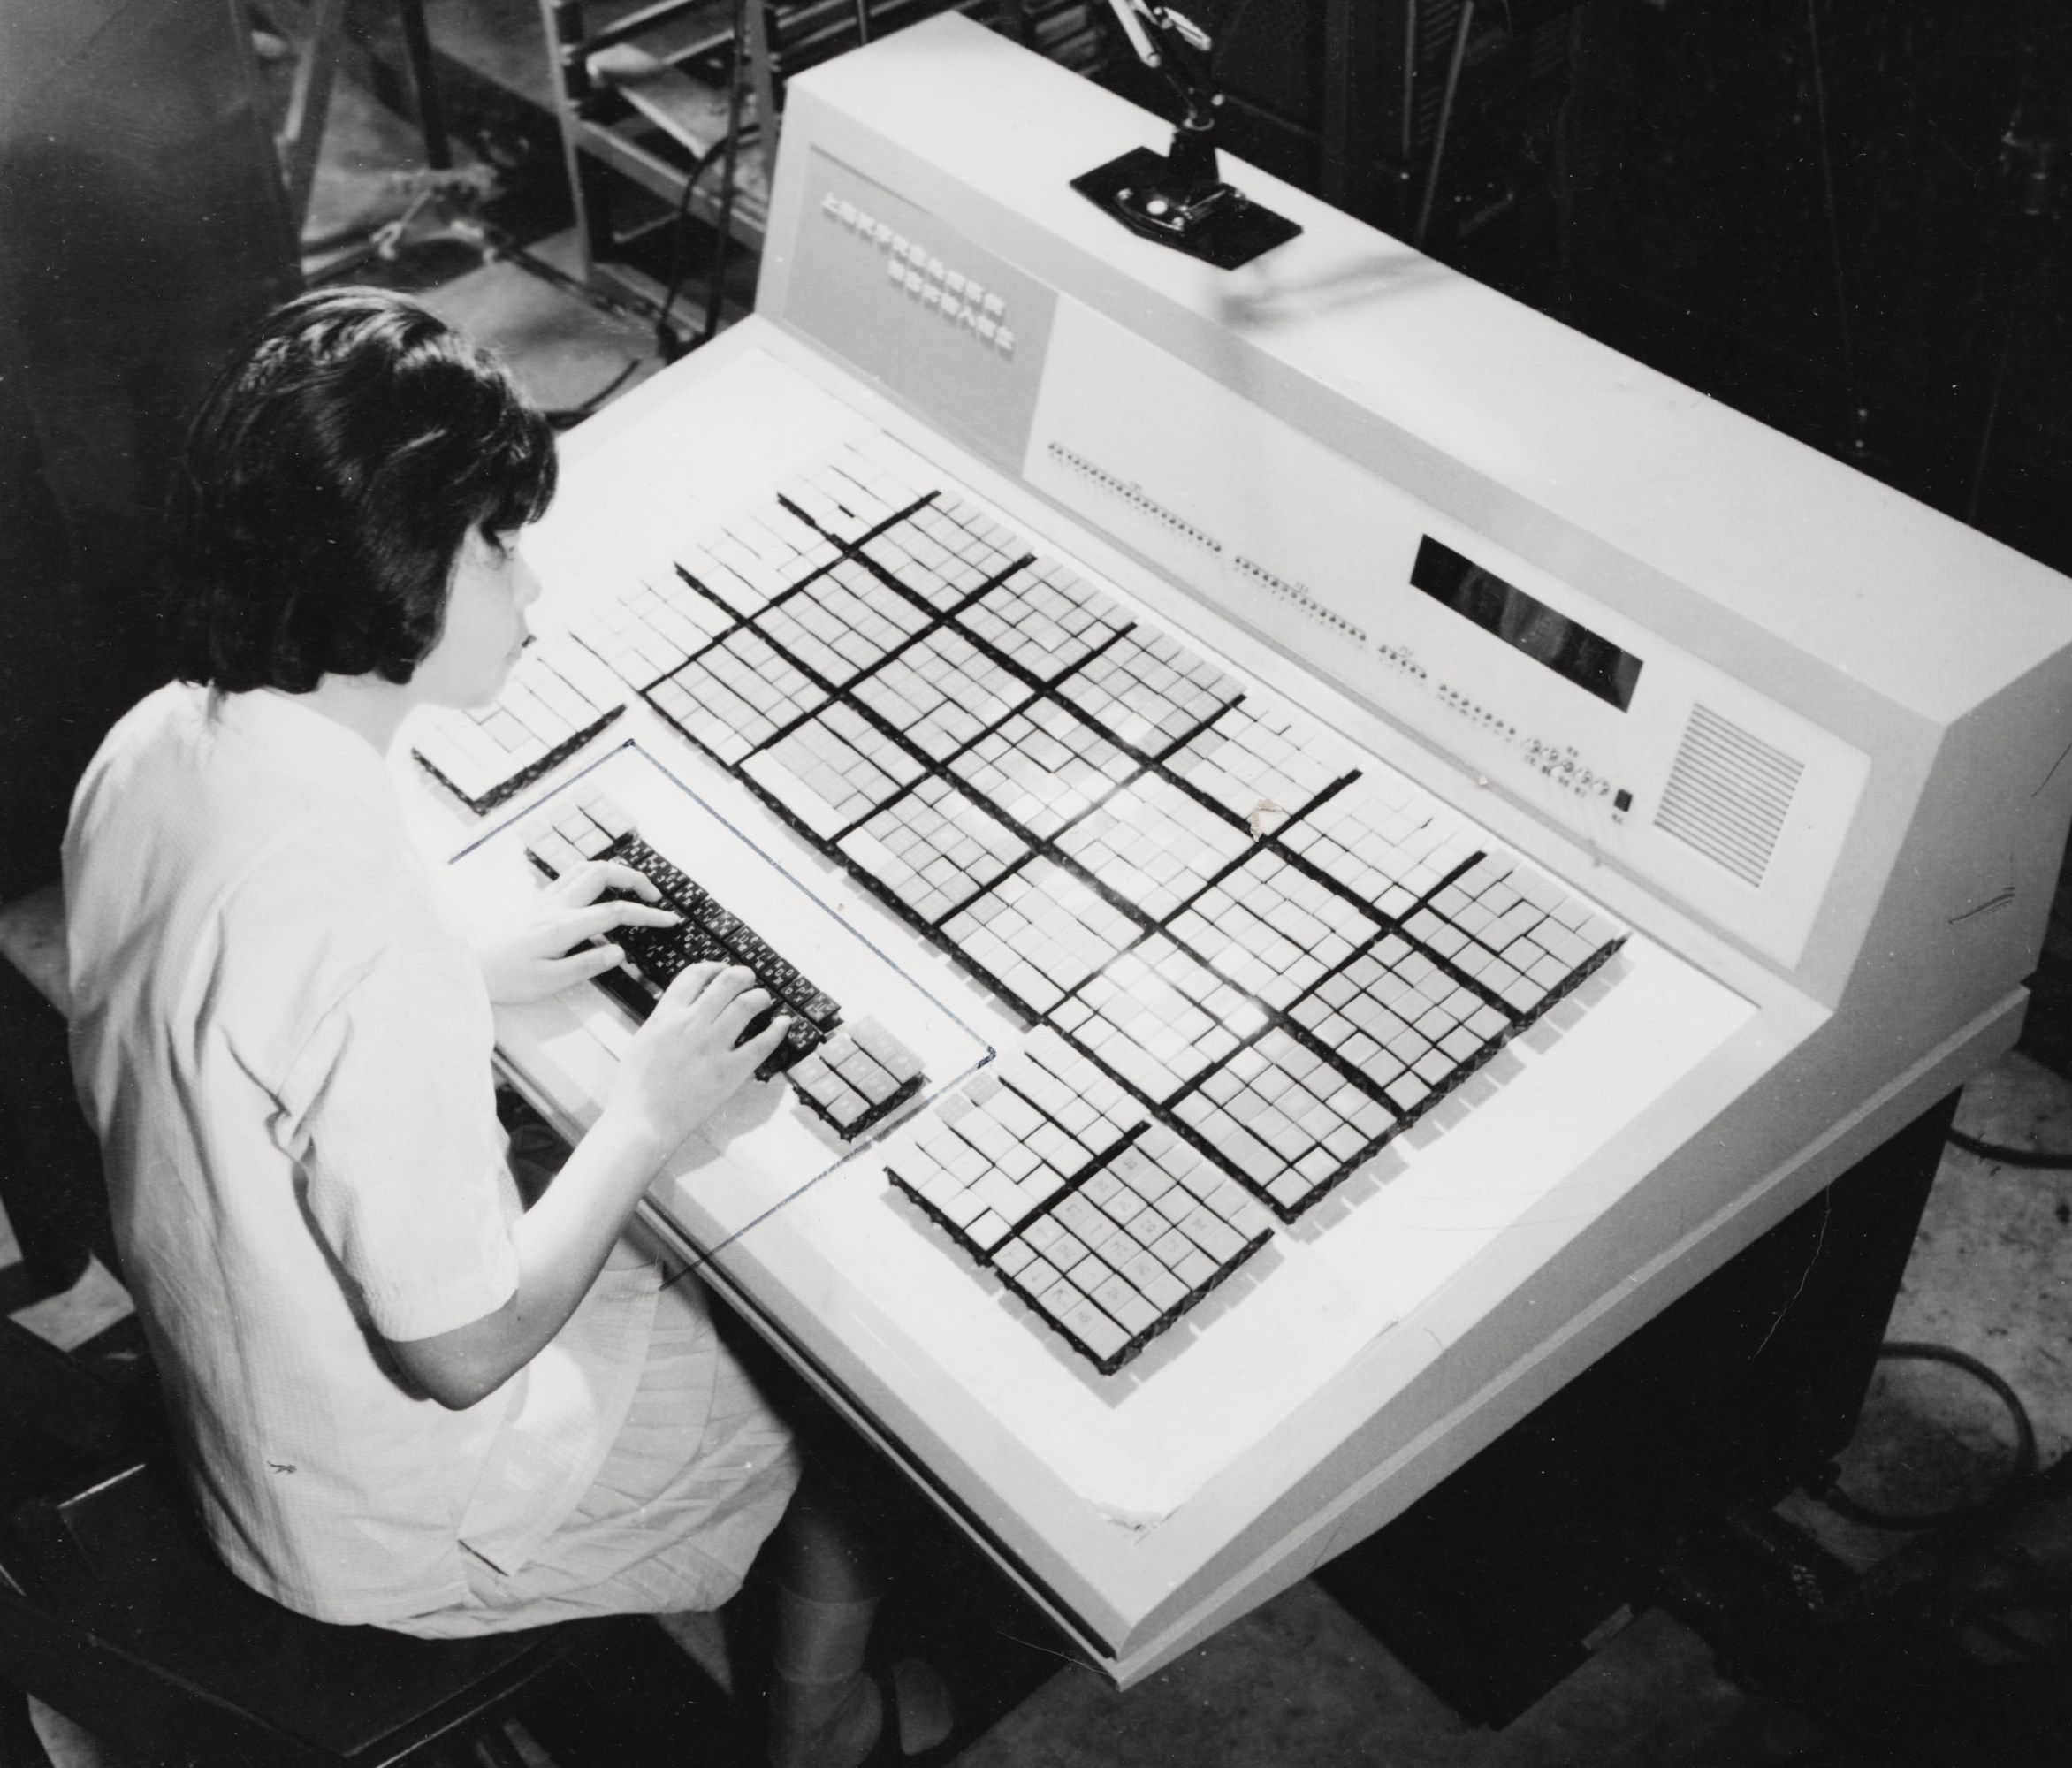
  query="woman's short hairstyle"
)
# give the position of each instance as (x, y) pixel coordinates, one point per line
(327, 484)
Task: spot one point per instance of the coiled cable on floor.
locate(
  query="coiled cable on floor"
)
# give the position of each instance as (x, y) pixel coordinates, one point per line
(1829, 1491)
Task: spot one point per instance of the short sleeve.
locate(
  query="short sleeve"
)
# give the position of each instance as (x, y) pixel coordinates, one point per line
(400, 1145)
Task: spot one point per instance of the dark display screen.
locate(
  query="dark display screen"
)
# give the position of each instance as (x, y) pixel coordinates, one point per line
(1526, 623)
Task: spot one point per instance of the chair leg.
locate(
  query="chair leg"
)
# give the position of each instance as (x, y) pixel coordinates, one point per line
(302, 137)
(20, 1746)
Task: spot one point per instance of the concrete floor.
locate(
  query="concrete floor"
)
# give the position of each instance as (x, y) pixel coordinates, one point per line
(1299, 1681)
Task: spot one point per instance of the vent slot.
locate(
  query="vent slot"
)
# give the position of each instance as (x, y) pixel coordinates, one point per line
(1728, 795)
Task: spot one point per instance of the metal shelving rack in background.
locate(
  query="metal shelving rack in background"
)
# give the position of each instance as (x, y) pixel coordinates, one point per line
(642, 89)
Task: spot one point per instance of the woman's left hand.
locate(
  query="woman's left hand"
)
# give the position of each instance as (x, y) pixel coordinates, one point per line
(532, 960)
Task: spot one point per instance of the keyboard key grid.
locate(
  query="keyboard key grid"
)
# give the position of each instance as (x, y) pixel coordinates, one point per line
(538, 721)
(1100, 1217)
(1218, 922)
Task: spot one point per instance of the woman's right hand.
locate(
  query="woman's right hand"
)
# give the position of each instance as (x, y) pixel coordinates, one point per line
(680, 1067)
(683, 1064)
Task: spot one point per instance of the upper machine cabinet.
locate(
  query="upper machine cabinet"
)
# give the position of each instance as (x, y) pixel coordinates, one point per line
(1795, 706)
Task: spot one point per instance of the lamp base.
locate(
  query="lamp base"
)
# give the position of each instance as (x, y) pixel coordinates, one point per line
(1211, 223)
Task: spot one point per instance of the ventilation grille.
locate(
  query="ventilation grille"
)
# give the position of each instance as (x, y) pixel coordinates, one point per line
(1728, 795)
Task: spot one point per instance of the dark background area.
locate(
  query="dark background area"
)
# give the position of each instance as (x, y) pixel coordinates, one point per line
(141, 231)
(1842, 218)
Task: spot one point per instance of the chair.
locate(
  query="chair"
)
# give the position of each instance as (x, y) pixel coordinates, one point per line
(300, 138)
(50, 1163)
(114, 1612)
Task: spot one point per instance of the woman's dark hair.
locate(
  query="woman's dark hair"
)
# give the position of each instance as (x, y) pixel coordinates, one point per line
(326, 485)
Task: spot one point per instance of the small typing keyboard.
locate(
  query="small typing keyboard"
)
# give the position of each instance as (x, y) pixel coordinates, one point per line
(1248, 961)
(590, 827)
(538, 721)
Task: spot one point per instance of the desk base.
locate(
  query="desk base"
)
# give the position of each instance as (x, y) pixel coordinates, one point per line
(1498, 1583)
(1234, 236)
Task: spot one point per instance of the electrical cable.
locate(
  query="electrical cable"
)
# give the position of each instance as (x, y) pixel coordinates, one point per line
(2022, 282)
(1228, 28)
(665, 343)
(2040, 1160)
(567, 417)
(1851, 390)
(664, 346)
(1562, 173)
(1829, 1491)
(1453, 66)
(723, 237)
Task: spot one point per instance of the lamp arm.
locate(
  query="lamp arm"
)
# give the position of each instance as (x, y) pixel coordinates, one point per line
(1179, 198)
(1173, 46)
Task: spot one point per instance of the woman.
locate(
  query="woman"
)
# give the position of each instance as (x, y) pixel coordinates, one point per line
(400, 1398)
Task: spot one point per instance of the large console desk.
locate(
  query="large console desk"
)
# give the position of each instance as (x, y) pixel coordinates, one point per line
(1501, 829)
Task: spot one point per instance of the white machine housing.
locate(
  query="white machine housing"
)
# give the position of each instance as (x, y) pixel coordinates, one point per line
(1838, 786)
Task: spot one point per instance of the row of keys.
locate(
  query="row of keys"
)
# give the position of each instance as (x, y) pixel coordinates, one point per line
(1288, 1118)
(1277, 761)
(835, 770)
(853, 488)
(1158, 1018)
(735, 694)
(538, 721)
(857, 1079)
(1154, 845)
(1151, 691)
(845, 627)
(1046, 767)
(935, 848)
(1043, 620)
(1106, 1223)
(1039, 933)
(1272, 928)
(946, 551)
(942, 694)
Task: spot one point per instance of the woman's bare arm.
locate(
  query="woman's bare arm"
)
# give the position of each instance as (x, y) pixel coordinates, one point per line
(680, 1067)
